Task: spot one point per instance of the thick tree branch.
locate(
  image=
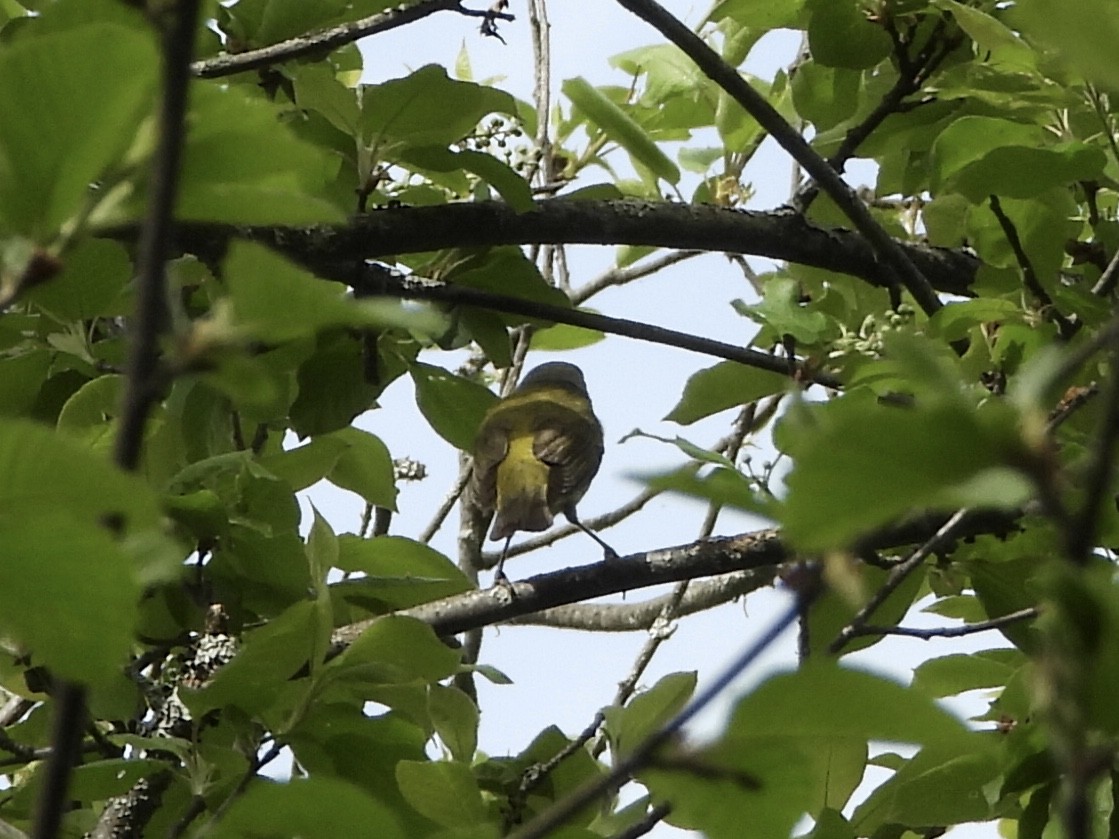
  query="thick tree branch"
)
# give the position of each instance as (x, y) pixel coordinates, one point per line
(723, 555)
(331, 250)
(325, 39)
(901, 269)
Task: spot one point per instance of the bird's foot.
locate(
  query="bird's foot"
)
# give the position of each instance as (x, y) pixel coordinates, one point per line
(502, 587)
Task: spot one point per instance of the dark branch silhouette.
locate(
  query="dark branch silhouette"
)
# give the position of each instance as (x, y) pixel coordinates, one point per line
(331, 250)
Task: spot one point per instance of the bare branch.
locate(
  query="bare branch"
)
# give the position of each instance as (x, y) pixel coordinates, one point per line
(1065, 327)
(952, 631)
(332, 250)
(327, 39)
(897, 576)
(700, 596)
(720, 555)
(379, 280)
(621, 276)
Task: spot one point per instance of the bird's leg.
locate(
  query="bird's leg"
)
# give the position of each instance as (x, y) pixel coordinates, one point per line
(499, 578)
(608, 553)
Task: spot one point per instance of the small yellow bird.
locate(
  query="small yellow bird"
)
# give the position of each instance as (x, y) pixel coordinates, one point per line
(536, 453)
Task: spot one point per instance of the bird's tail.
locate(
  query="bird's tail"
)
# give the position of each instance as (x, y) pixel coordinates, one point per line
(522, 493)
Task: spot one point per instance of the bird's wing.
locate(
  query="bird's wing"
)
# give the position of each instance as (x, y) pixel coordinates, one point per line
(489, 450)
(574, 453)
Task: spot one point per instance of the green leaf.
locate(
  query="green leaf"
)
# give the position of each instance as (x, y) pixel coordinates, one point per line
(72, 108)
(332, 386)
(508, 271)
(91, 284)
(427, 108)
(512, 187)
(453, 405)
(791, 703)
(21, 377)
(268, 658)
(318, 808)
(564, 336)
(841, 35)
(308, 464)
(825, 96)
(955, 320)
(397, 649)
(768, 778)
(400, 570)
(781, 311)
(455, 717)
(1005, 587)
(978, 156)
(723, 487)
(365, 467)
(1001, 46)
(318, 88)
(1080, 42)
(620, 127)
(241, 165)
(833, 609)
(848, 477)
(952, 674)
(61, 577)
(942, 785)
(648, 711)
(265, 289)
(42, 473)
(761, 14)
(726, 385)
(444, 792)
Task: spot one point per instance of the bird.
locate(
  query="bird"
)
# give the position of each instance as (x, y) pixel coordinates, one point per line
(535, 455)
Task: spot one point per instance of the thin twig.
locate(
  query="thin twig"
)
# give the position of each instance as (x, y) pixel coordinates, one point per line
(951, 631)
(651, 820)
(324, 40)
(383, 282)
(633, 617)
(896, 578)
(1109, 278)
(621, 276)
(564, 809)
(729, 79)
(661, 629)
(448, 504)
(1065, 327)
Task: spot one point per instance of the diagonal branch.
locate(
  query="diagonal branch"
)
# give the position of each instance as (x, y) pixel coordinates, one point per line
(892, 257)
(380, 280)
(1065, 328)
